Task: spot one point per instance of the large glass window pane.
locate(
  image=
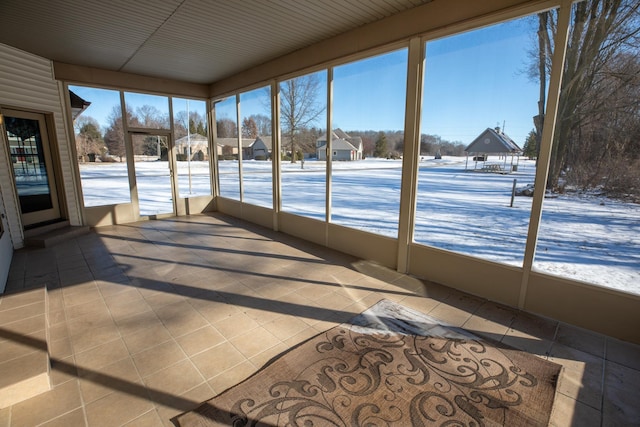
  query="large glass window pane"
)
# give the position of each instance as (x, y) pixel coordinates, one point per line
(477, 111)
(147, 111)
(367, 142)
(97, 121)
(255, 109)
(226, 143)
(590, 228)
(192, 147)
(153, 180)
(303, 118)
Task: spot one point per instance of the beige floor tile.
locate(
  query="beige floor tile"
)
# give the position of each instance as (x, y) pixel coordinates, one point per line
(450, 315)
(185, 402)
(120, 376)
(62, 371)
(621, 404)
(20, 313)
(80, 325)
(93, 308)
(581, 378)
(10, 349)
(286, 327)
(167, 384)
(101, 355)
(111, 288)
(58, 331)
(235, 325)
(581, 339)
(483, 327)
(74, 418)
(568, 412)
(5, 417)
(21, 299)
(146, 337)
(159, 357)
(531, 333)
(126, 303)
(137, 322)
(148, 419)
(215, 308)
(200, 340)
(624, 353)
(46, 406)
(180, 318)
(255, 342)
(161, 299)
(117, 409)
(82, 296)
(92, 337)
(266, 356)
(420, 303)
(228, 379)
(218, 359)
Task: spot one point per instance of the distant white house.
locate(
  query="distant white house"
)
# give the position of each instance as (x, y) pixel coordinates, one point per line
(194, 144)
(343, 146)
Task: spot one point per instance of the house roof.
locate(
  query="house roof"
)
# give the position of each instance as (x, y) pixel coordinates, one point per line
(194, 138)
(246, 142)
(266, 140)
(493, 141)
(340, 140)
(78, 105)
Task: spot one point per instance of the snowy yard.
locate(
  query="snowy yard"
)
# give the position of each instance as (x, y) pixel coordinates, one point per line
(587, 238)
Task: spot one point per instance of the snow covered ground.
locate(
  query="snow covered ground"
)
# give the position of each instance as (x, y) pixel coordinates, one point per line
(586, 238)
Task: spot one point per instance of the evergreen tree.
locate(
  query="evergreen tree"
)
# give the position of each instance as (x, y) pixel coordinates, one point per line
(530, 148)
(381, 149)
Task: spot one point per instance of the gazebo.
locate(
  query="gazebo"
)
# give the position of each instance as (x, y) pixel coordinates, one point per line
(493, 142)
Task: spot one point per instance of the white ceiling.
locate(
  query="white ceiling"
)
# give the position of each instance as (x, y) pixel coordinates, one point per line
(199, 41)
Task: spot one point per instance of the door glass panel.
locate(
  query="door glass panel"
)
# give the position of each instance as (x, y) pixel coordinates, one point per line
(27, 158)
(192, 147)
(153, 178)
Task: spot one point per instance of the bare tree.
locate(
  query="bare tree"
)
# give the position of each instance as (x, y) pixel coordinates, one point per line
(299, 107)
(249, 128)
(601, 31)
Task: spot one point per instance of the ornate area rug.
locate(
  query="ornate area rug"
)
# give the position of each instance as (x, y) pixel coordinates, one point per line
(390, 365)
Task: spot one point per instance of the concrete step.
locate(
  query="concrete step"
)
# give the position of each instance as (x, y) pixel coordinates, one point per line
(54, 236)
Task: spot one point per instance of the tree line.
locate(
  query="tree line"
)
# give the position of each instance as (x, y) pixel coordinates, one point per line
(107, 144)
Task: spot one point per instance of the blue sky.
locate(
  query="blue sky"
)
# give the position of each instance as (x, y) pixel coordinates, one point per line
(472, 81)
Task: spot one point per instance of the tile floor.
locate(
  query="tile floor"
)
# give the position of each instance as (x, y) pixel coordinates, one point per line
(149, 319)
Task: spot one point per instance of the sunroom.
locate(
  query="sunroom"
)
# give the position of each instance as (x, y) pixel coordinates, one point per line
(146, 264)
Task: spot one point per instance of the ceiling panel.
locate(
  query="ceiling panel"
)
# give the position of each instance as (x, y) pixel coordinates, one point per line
(198, 41)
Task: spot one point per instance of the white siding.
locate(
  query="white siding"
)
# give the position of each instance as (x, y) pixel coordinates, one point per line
(27, 82)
